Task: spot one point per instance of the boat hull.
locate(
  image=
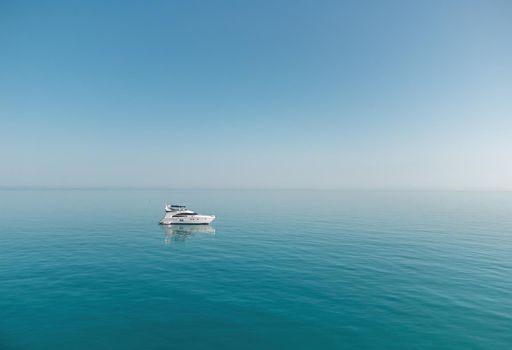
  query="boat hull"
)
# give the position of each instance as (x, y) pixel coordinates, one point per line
(191, 220)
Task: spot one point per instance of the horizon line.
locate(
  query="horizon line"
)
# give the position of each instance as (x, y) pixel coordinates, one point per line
(158, 188)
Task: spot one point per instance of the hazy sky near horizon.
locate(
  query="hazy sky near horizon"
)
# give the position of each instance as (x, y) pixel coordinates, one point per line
(257, 94)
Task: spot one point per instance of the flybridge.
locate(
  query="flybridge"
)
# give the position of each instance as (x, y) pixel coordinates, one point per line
(174, 207)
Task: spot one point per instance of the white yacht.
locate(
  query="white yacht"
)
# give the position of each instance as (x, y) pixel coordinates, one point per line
(179, 214)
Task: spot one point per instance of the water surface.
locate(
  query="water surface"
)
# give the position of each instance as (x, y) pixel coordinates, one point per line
(84, 269)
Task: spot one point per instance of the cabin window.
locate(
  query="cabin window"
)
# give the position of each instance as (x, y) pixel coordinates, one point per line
(185, 214)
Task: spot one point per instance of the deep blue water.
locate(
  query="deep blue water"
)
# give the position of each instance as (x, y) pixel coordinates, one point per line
(90, 269)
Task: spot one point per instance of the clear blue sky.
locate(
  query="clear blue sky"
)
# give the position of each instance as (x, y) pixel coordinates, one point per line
(256, 94)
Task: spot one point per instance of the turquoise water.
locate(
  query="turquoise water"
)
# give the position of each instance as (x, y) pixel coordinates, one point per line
(277, 270)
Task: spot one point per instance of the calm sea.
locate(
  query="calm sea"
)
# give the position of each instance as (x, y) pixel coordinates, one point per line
(84, 269)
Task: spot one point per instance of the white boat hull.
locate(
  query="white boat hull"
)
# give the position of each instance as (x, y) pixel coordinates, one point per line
(190, 220)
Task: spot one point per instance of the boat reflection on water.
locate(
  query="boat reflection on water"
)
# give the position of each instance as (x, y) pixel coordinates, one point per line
(179, 233)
